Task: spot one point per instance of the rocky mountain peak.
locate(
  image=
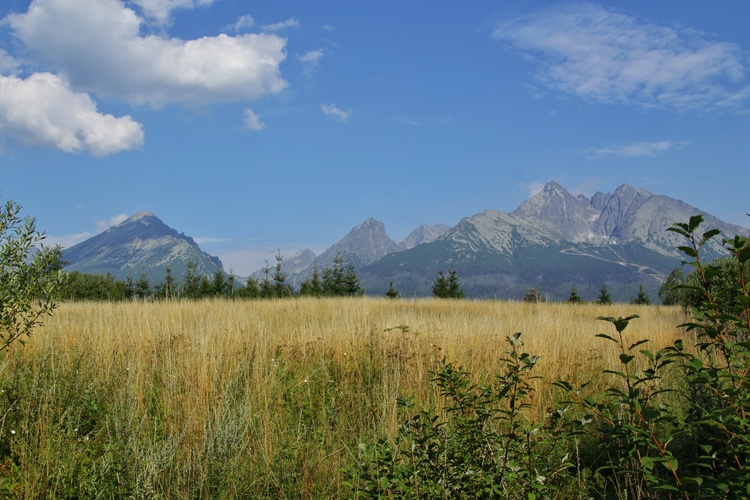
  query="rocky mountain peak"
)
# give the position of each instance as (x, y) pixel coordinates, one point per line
(364, 244)
(142, 243)
(554, 205)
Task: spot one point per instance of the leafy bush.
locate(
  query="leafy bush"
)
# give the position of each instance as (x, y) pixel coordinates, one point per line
(482, 445)
(30, 276)
(675, 423)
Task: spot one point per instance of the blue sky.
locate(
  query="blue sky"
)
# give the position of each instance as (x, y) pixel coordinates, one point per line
(257, 126)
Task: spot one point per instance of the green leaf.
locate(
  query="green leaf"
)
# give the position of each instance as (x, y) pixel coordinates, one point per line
(626, 358)
(638, 343)
(605, 336)
(689, 251)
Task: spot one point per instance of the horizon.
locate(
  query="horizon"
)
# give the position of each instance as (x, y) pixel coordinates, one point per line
(281, 126)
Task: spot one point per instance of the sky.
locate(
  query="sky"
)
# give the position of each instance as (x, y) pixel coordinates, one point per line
(265, 126)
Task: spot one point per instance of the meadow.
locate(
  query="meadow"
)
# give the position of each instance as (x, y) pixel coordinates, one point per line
(264, 398)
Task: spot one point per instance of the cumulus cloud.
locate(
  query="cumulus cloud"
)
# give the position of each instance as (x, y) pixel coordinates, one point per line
(603, 55)
(8, 64)
(42, 110)
(161, 10)
(636, 150)
(252, 121)
(151, 69)
(335, 112)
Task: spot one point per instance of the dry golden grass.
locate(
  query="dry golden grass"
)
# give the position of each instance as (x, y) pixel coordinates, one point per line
(289, 387)
(200, 345)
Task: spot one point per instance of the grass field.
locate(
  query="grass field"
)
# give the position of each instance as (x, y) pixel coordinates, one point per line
(223, 399)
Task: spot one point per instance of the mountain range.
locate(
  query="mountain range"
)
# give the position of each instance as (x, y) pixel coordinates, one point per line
(553, 241)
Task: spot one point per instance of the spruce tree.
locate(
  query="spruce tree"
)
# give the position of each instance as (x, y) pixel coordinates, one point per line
(642, 298)
(604, 297)
(454, 287)
(142, 286)
(312, 286)
(280, 287)
(392, 293)
(574, 298)
(265, 289)
(219, 283)
(351, 282)
(191, 283)
(440, 286)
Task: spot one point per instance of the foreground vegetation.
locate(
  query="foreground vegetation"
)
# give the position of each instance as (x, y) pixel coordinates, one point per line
(264, 398)
(340, 397)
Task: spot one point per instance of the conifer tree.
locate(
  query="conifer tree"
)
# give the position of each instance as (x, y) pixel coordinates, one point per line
(191, 283)
(281, 288)
(392, 293)
(219, 284)
(351, 282)
(312, 286)
(574, 298)
(265, 288)
(454, 287)
(642, 297)
(440, 286)
(142, 286)
(604, 297)
(251, 290)
(333, 278)
(206, 288)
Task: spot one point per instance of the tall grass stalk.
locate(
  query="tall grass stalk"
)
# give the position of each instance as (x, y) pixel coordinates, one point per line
(223, 398)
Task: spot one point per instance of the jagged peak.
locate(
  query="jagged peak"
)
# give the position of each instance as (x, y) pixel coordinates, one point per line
(627, 188)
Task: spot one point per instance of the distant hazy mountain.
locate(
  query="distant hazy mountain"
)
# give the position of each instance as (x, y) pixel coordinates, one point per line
(423, 234)
(553, 241)
(363, 245)
(142, 243)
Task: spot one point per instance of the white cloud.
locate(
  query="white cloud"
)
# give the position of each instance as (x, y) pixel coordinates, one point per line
(606, 56)
(42, 110)
(252, 121)
(147, 69)
(636, 150)
(202, 240)
(242, 23)
(289, 23)
(67, 240)
(310, 61)
(335, 112)
(161, 10)
(103, 225)
(8, 64)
